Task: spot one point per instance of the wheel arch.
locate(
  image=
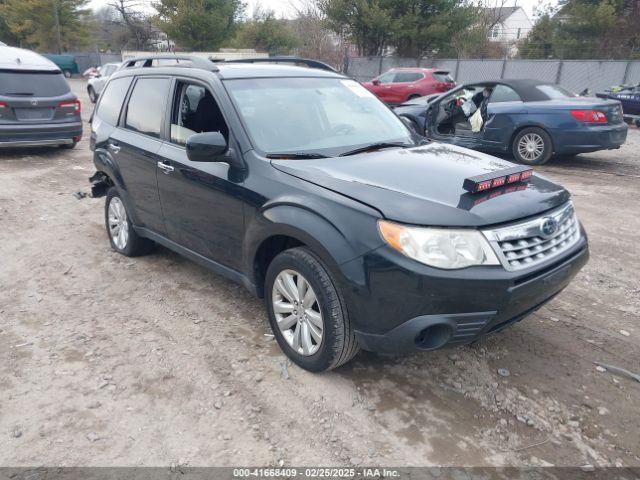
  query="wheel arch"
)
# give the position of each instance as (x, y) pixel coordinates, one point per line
(282, 227)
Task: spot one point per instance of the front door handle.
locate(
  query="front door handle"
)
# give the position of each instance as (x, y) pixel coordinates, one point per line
(113, 147)
(167, 169)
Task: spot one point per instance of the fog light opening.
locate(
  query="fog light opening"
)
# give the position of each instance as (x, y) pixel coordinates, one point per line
(434, 336)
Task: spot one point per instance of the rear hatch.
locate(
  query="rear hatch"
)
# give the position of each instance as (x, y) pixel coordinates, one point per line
(36, 97)
(444, 79)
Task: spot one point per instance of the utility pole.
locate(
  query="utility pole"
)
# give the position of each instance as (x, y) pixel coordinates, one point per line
(56, 26)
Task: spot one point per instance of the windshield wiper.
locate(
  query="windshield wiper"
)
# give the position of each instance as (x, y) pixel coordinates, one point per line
(375, 146)
(295, 156)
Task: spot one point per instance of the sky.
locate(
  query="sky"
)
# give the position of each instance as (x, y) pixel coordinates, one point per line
(283, 8)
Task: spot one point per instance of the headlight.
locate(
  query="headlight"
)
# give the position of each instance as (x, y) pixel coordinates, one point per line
(439, 247)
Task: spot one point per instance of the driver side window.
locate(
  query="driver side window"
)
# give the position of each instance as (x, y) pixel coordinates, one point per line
(195, 111)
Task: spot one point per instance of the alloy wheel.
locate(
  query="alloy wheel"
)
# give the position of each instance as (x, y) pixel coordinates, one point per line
(297, 312)
(118, 226)
(531, 146)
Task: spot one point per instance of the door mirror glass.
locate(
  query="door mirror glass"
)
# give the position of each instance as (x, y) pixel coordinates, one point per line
(206, 147)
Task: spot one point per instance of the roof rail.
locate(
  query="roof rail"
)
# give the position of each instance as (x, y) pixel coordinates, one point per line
(294, 60)
(189, 61)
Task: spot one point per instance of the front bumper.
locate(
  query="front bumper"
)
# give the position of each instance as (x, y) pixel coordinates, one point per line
(399, 307)
(590, 139)
(29, 135)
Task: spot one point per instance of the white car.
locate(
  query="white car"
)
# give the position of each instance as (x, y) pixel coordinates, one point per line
(96, 84)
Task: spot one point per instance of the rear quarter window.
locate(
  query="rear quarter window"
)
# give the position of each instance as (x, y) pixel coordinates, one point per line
(32, 84)
(111, 100)
(442, 77)
(502, 93)
(145, 111)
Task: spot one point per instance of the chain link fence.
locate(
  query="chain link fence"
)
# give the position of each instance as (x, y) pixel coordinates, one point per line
(575, 75)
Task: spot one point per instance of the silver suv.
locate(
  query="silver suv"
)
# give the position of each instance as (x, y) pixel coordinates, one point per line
(96, 84)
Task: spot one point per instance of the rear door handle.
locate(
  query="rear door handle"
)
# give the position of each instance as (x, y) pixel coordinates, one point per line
(167, 169)
(113, 147)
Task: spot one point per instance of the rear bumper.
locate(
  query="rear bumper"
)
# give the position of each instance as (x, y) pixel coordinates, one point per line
(590, 139)
(407, 311)
(28, 135)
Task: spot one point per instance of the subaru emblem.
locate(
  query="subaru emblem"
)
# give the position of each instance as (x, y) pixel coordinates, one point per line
(548, 227)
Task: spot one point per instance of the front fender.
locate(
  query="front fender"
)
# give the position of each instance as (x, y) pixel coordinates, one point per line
(335, 245)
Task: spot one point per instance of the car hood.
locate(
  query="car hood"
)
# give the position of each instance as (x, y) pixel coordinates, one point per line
(423, 185)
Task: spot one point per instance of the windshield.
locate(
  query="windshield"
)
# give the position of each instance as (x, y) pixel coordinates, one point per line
(322, 115)
(33, 84)
(555, 91)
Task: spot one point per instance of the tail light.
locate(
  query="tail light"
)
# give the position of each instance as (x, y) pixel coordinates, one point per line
(589, 116)
(75, 104)
(4, 105)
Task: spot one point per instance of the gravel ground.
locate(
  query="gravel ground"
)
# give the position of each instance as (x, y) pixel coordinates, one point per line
(106, 360)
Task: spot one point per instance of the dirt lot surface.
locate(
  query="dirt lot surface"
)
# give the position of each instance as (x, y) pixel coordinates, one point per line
(106, 360)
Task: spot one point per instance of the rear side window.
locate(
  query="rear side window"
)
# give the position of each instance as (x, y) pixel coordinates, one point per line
(111, 100)
(145, 111)
(442, 77)
(404, 77)
(502, 93)
(32, 84)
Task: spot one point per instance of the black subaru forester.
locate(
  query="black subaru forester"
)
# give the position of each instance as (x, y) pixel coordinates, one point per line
(301, 185)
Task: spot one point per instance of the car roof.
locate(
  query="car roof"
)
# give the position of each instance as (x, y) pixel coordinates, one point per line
(12, 58)
(524, 87)
(230, 71)
(417, 69)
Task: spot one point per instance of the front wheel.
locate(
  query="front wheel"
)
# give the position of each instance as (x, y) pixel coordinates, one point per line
(122, 236)
(306, 312)
(532, 146)
(67, 73)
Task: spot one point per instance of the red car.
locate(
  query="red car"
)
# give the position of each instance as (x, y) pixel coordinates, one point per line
(401, 84)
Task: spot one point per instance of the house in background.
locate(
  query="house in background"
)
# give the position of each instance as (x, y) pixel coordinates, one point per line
(509, 24)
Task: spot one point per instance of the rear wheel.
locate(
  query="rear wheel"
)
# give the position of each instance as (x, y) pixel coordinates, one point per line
(67, 73)
(307, 313)
(532, 146)
(122, 236)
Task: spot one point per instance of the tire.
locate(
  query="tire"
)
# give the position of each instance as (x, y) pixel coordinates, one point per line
(93, 96)
(324, 308)
(67, 73)
(69, 146)
(130, 243)
(412, 96)
(537, 139)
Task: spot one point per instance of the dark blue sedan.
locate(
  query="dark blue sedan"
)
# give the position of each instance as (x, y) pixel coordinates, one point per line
(530, 119)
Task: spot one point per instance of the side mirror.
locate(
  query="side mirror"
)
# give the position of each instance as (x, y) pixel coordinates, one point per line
(206, 147)
(375, 82)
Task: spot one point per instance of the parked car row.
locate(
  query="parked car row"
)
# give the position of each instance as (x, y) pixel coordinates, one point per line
(301, 185)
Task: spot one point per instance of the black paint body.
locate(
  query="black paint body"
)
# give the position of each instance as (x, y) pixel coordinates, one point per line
(222, 214)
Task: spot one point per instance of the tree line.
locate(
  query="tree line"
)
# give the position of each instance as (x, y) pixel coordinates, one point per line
(324, 28)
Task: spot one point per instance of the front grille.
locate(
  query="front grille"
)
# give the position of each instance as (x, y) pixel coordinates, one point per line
(527, 244)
